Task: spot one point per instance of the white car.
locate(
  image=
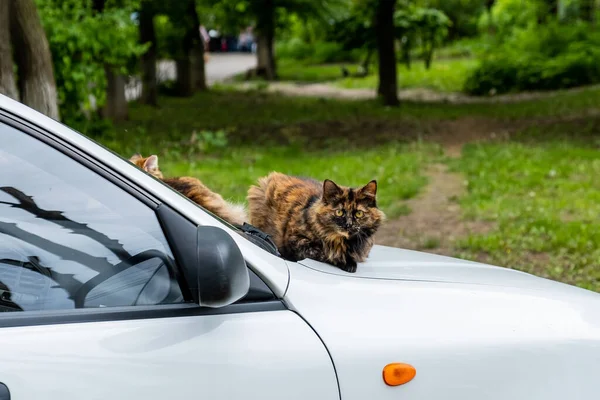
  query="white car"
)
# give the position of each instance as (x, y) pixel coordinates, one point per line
(114, 286)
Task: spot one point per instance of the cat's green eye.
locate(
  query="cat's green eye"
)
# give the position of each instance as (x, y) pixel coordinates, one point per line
(359, 214)
(339, 213)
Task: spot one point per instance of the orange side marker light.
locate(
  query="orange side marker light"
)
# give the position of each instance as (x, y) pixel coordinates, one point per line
(398, 374)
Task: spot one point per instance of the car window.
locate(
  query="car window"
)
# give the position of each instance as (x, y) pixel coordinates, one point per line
(69, 238)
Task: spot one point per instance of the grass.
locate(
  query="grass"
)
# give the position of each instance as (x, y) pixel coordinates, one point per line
(257, 118)
(544, 200)
(397, 169)
(444, 75)
(538, 191)
(300, 72)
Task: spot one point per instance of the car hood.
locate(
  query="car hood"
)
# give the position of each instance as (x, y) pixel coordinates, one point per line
(472, 331)
(391, 263)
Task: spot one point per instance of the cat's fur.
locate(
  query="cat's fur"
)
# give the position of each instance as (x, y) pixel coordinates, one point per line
(196, 191)
(300, 215)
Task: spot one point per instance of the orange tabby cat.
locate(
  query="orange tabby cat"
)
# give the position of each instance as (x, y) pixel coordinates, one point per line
(195, 190)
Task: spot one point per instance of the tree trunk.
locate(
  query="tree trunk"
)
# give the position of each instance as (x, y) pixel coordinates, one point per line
(489, 4)
(588, 10)
(553, 7)
(406, 47)
(197, 50)
(116, 106)
(366, 62)
(551, 11)
(199, 69)
(185, 77)
(34, 62)
(149, 58)
(429, 48)
(384, 29)
(265, 40)
(187, 62)
(116, 102)
(8, 86)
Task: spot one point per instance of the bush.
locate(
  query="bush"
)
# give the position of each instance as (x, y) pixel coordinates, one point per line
(317, 53)
(294, 49)
(539, 58)
(508, 15)
(82, 43)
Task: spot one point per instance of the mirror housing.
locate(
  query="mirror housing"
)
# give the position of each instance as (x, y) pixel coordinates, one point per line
(214, 269)
(221, 275)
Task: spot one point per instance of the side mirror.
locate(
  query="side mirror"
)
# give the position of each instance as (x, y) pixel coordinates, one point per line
(221, 276)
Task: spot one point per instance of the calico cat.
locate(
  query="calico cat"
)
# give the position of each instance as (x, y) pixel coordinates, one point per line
(196, 191)
(317, 220)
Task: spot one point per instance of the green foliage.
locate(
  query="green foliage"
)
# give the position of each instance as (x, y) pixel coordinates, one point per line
(315, 53)
(510, 14)
(464, 15)
(207, 142)
(82, 42)
(551, 56)
(169, 35)
(353, 32)
(464, 48)
(432, 27)
(413, 25)
(231, 15)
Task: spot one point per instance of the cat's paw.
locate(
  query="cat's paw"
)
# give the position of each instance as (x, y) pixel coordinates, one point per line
(349, 267)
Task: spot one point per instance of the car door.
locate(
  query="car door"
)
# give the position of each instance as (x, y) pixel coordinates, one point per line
(93, 305)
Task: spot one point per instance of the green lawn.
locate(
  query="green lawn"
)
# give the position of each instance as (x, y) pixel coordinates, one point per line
(540, 191)
(447, 75)
(257, 118)
(397, 169)
(300, 72)
(444, 75)
(544, 199)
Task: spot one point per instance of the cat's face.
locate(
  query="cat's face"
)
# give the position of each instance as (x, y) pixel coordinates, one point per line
(148, 164)
(350, 211)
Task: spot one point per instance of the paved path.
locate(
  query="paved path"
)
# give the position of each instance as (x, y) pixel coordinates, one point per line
(220, 66)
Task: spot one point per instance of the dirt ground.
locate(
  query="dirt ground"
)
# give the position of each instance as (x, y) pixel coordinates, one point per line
(435, 221)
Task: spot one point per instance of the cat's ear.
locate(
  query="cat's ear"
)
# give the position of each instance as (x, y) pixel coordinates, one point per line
(135, 157)
(370, 189)
(151, 163)
(331, 190)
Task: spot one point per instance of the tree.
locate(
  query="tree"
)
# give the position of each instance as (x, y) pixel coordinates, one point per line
(433, 28)
(489, 4)
(149, 58)
(265, 29)
(269, 17)
(7, 77)
(356, 31)
(552, 7)
(387, 89)
(116, 107)
(188, 53)
(198, 53)
(36, 84)
(588, 10)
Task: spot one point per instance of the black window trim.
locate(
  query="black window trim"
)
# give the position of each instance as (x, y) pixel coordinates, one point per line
(81, 315)
(85, 315)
